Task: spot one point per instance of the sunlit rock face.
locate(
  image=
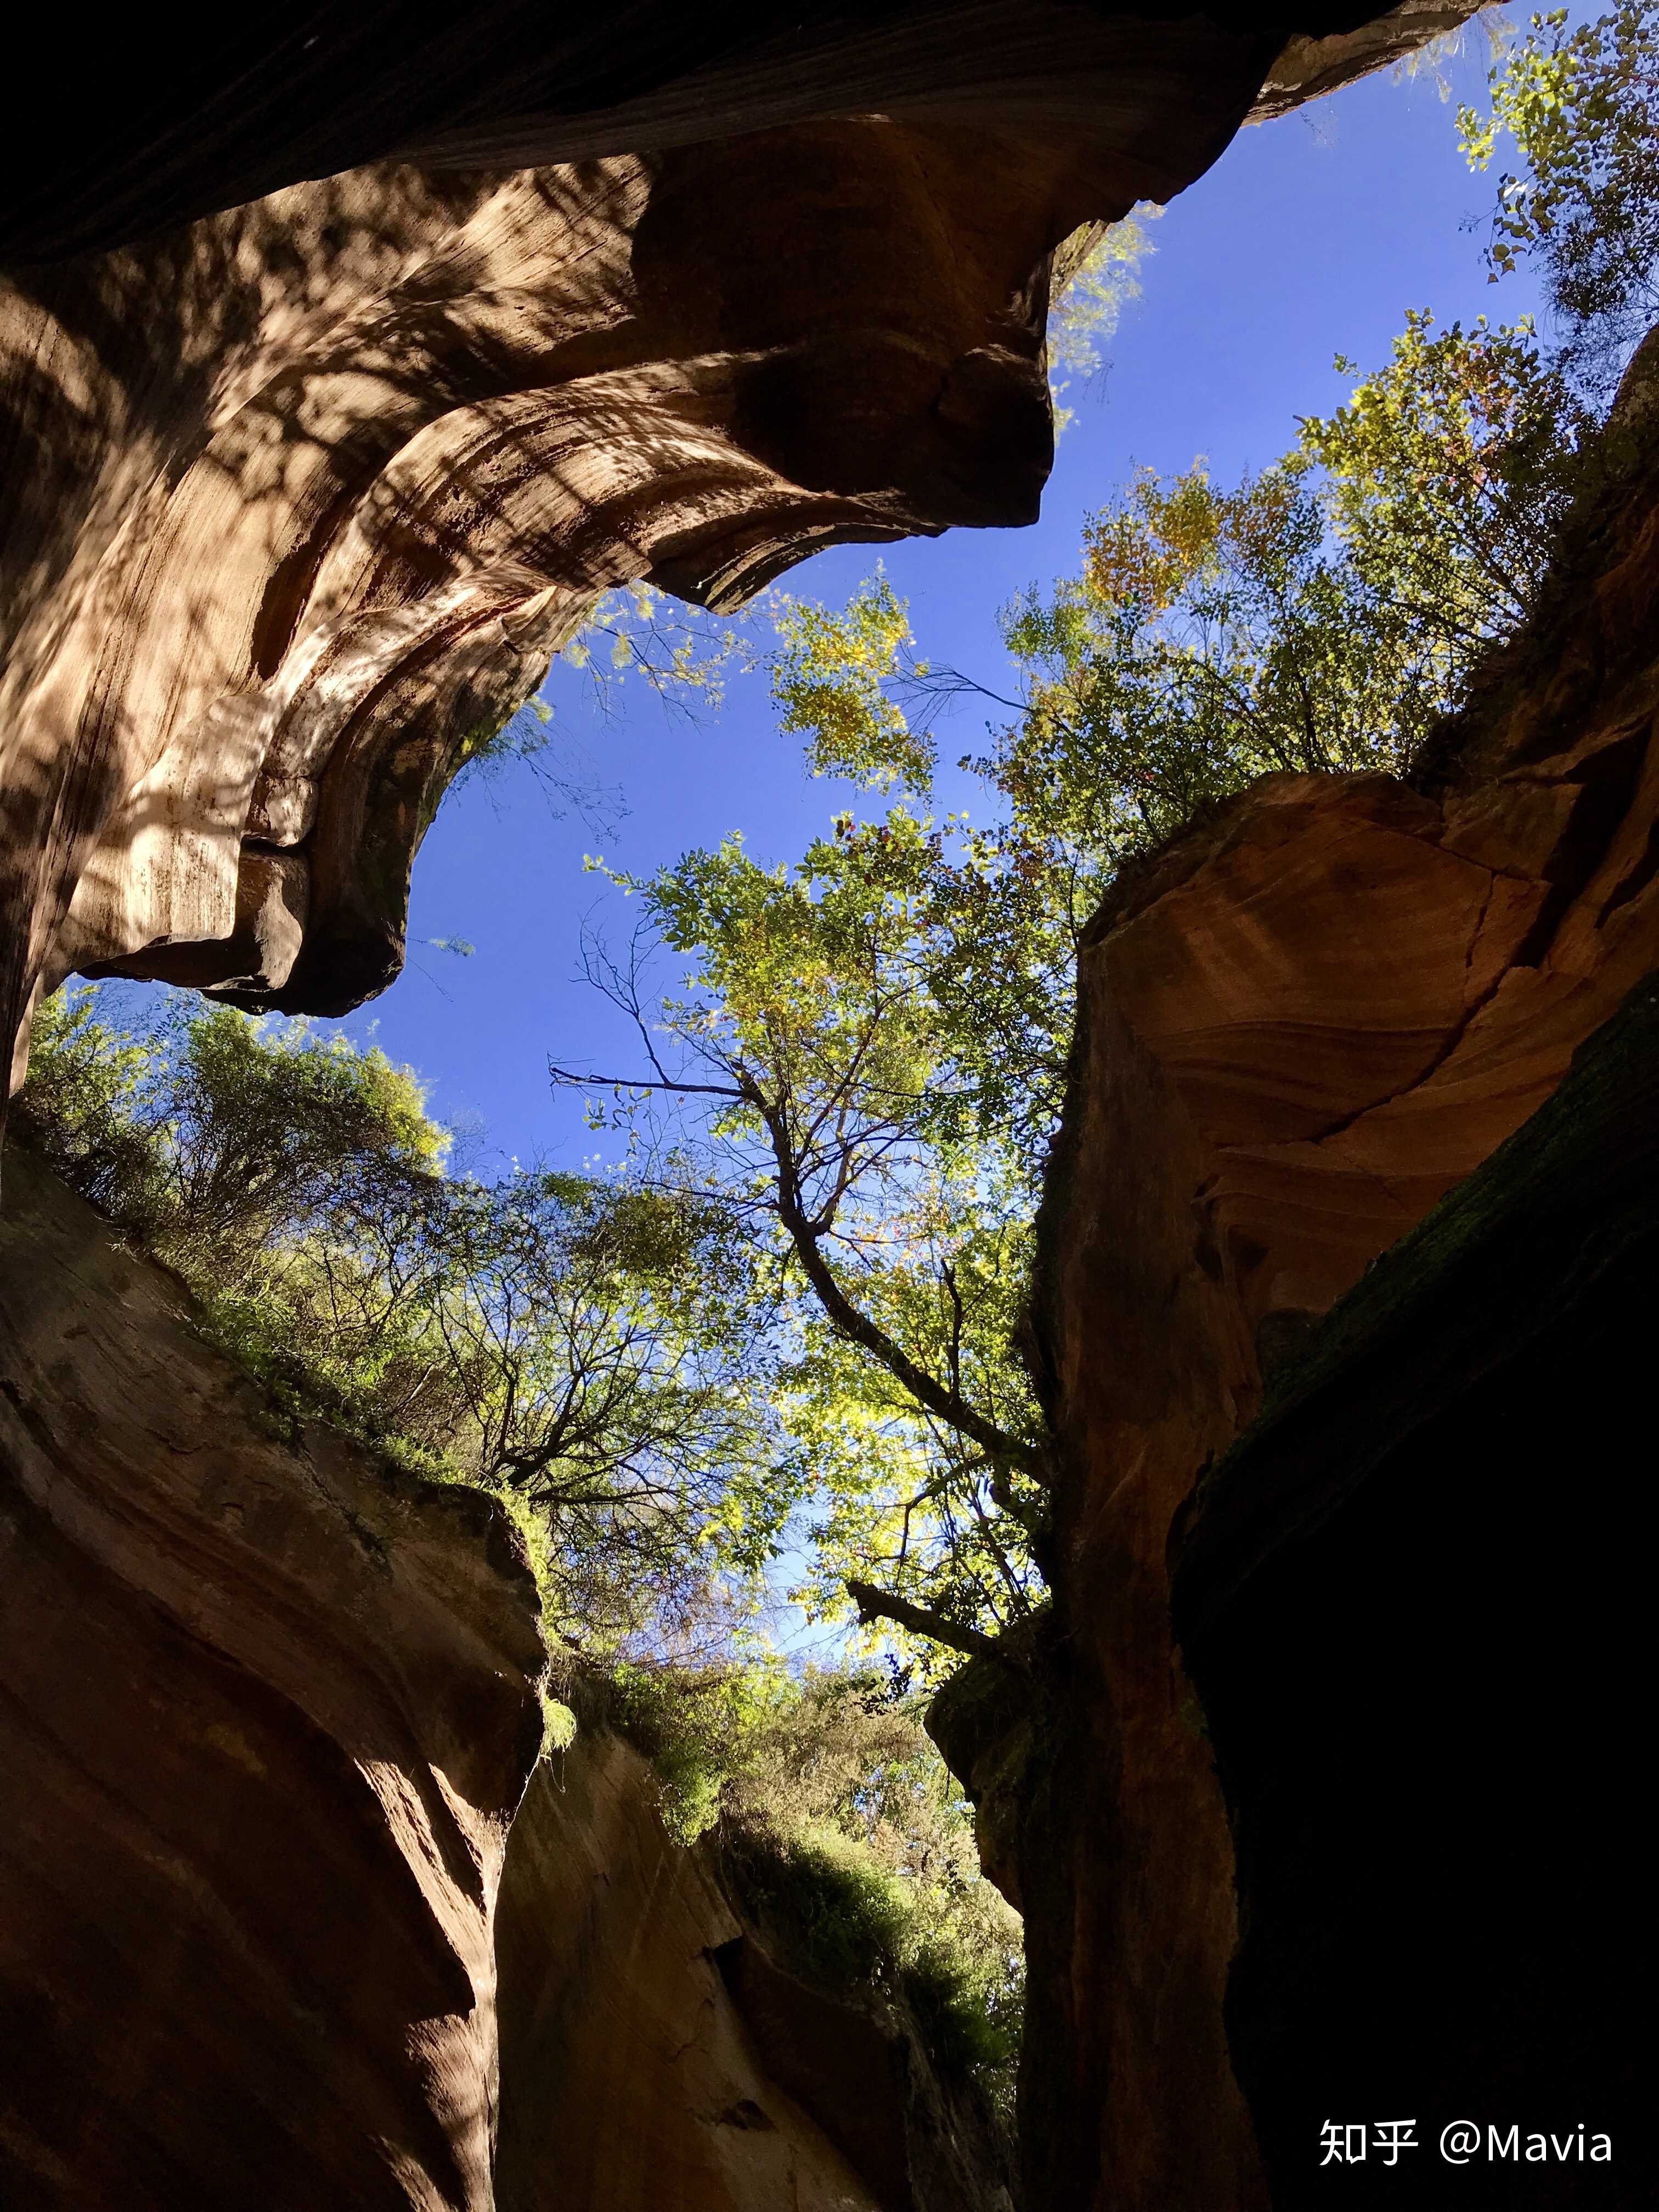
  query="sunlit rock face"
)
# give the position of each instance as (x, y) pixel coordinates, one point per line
(302, 490)
(1302, 1025)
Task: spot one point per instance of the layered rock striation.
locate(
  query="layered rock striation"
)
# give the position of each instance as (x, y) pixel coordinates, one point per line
(469, 322)
(1299, 1027)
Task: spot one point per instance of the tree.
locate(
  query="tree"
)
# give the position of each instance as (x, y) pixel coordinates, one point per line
(1321, 616)
(867, 1051)
(1095, 275)
(840, 1126)
(615, 1377)
(1581, 105)
(581, 1346)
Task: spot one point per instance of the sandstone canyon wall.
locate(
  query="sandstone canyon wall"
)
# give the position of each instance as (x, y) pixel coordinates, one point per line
(297, 499)
(183, 119)
(336, 374)
(1411, 1602)
(1300, 1027)
(266, 1722)
(661, 2045)
(290, 1914)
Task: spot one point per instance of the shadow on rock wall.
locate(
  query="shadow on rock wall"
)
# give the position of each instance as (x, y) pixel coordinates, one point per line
(1299, 1027)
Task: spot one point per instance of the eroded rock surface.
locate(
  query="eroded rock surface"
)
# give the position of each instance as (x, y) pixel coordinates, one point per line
(279, 1923)
(298, 499)
(658, 2048)
(264, 1721)
(630, 2078)
(1299, 1027)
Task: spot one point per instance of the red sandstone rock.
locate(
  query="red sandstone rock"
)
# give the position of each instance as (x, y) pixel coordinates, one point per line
(630, 2079)
(1298, 1029)
(655, 2052)
(266, 1720)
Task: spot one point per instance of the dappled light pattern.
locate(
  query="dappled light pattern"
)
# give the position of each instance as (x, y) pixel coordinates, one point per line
(301, 498)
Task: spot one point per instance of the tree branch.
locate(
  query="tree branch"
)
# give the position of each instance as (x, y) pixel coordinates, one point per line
(877, 1605)
(953, 1410)
(568, 1080)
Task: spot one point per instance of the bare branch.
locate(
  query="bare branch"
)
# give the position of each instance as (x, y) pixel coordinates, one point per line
(574, 1081)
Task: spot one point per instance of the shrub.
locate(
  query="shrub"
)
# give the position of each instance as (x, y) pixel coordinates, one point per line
(844, 1835)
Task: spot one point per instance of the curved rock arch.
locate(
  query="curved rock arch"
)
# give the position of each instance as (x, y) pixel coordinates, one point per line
(300, 496)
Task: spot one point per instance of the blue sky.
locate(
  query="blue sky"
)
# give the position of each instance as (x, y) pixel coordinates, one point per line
(1311, 236)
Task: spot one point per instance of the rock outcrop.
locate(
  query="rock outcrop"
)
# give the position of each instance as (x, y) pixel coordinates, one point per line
(1299, 1027)
(661, 2047)
(300, 496)
(266, 1721)
(183, 121)
(290, 1915)
(630, 2076)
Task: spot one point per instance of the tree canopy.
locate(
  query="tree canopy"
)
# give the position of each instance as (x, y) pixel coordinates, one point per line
(861, 1056)
(837, 1118)
(580, 1344)
(1580, 104)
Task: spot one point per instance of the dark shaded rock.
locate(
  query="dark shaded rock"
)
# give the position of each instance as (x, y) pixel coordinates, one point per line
(1299, 1026)
(631, 2080)
(265, 1719)
(861, 2071)
(846, 2066)
(903, 2107)
(659, 2047)
(1413, 1603)
(988, 1722)
(184, 119)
